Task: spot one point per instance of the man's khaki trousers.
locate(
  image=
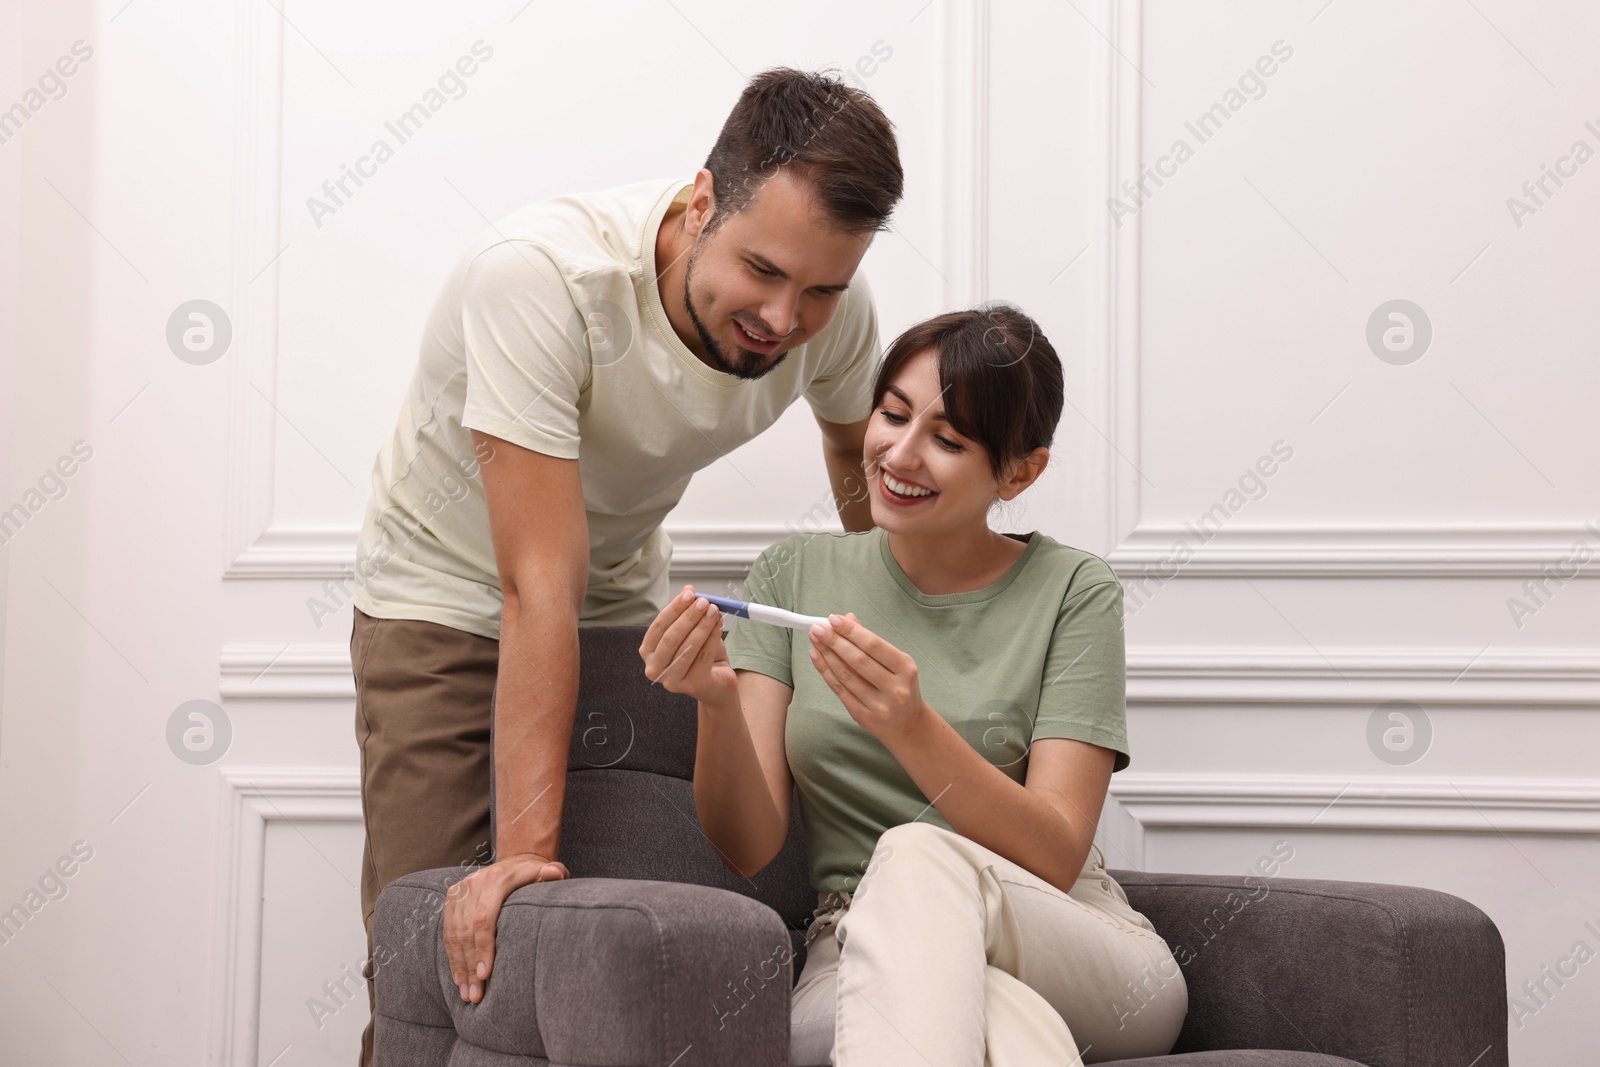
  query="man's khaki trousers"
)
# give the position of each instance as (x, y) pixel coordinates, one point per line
(423, 695)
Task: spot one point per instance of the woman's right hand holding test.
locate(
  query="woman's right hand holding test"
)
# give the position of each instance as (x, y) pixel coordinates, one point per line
(683, 650)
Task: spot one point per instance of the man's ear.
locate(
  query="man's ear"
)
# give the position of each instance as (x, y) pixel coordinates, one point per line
(1024, 472)
(702, 203)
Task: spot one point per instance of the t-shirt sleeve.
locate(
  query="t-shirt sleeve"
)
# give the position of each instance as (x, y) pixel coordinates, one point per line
(843, 391)
(525, 370)
(1084, 690)
(756, 646)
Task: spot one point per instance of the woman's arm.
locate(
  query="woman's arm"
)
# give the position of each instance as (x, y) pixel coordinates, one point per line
(742, 784)
(741, 774)
(1045, 826)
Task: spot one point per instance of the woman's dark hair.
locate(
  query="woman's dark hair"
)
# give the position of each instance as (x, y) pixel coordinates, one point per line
(829, 133)
(1000, 378)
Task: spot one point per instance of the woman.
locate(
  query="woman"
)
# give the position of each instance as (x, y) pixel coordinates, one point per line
(952, 733)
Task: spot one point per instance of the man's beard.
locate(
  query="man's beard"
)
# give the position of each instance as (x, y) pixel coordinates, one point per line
(748, 365)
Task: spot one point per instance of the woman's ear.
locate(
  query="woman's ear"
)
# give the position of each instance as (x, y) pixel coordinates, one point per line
(1024, 472)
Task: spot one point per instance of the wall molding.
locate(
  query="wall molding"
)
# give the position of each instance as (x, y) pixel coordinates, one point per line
(251, 798)
(1140, 803)
(1478, 550)
(1191, 675)
(280, 553)
(1475, 805)
(1281, 551)
(253, 286)
(287, 552)
(312, 671)
(1442, 677)
(1115, 287)
(966, 192)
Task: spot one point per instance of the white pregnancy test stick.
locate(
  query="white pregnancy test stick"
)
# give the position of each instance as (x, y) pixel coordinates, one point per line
(764, 613)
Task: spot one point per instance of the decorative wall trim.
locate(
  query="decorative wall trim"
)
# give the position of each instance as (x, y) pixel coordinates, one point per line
(727, 551)
(1379, 551)
(1120, 119)
(252, 797)
(1422, 805)
(318, 553)
(966, 196)
(289, 672)
(1445, 677)
(1197, 675)
(1139, 803)
(253, 287)
(1285, 551)
(286, 552)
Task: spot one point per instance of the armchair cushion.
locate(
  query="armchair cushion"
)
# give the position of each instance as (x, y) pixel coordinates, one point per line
(1386, 975)
(588, 971)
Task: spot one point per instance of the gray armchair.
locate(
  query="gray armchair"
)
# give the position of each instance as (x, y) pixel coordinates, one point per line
(655, 954)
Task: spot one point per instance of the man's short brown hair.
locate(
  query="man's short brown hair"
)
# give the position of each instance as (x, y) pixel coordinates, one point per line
(833, 135)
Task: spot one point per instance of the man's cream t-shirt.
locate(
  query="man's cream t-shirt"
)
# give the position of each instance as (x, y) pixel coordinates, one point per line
(550, 334)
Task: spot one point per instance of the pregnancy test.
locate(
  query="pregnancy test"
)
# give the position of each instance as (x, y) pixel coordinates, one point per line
(764, 613)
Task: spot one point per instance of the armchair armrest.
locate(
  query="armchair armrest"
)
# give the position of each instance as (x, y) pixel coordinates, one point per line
(1386, 975)
(588, 971)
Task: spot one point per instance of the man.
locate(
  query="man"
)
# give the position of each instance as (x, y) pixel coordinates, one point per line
(587, 355)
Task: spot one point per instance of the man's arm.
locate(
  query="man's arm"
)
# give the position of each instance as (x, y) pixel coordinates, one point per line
(842, 446)
(541, 546)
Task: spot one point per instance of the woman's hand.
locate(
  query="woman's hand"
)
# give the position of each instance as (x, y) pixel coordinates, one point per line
(876, 682)
(683, 650)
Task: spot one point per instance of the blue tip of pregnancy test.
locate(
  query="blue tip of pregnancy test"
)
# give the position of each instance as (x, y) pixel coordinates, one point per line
(729, 605)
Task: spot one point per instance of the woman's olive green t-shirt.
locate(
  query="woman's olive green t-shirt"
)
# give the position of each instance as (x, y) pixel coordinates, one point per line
(1038, 653)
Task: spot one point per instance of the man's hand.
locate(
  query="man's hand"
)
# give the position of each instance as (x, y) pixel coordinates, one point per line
(472, 908)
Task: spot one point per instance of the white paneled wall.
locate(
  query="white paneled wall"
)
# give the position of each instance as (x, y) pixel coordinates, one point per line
(1311, 524)
(1324, 534)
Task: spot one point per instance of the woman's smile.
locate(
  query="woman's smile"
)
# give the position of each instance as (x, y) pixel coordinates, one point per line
(908, 494)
